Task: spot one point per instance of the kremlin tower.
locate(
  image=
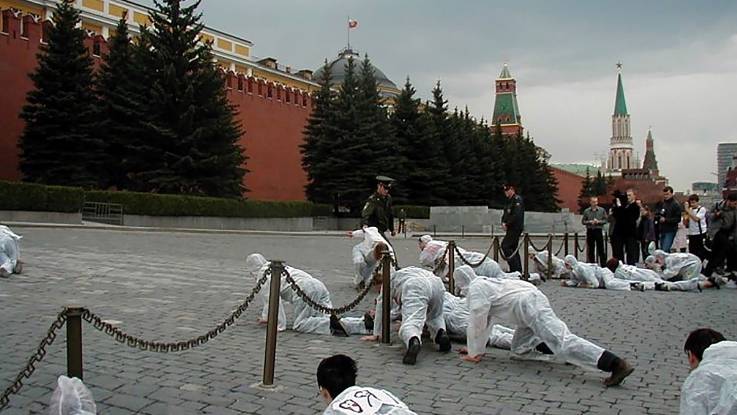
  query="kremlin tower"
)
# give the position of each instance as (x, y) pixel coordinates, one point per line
(506, 110)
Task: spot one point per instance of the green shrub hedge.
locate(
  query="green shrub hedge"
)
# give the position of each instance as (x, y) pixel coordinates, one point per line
(28, 196)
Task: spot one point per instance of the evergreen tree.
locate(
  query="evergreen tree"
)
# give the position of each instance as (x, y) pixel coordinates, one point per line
(192, 123)
(59, 144)
(121, 99)
(599, 185)
(413, 132)
(441, 150)
(382, 156)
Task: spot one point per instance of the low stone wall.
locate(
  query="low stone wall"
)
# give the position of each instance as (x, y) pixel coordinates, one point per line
(40, 217)
(303, 224)
(482, 219)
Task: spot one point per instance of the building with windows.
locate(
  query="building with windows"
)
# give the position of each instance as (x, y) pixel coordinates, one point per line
(726, 153)
(273, 100)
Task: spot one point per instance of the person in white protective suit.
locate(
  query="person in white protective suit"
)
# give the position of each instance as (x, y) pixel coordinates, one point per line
(420, 295)
(434, 255)
(455, 312)
(307, 319)
(10, 262)
(711, 387)
(585, 275)
(522, 304)
(540, 262)
(423, 241)
(367, 254)
(336, 379)
(680, 272)
(71, 397)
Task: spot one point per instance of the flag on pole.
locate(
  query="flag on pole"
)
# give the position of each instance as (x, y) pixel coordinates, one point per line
(352, 24)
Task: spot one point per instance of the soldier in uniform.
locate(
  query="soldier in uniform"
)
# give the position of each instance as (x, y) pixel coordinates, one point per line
(377, 211)
(513, 222)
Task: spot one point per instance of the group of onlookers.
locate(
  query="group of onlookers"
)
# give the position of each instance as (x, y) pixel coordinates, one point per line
(710, 234)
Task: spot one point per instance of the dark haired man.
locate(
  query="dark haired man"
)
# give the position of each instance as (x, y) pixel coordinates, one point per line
(336, 378)
(668, 214)
(711, 387)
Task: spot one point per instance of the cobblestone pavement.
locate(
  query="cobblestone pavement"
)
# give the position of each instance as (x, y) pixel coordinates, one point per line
(168, 286)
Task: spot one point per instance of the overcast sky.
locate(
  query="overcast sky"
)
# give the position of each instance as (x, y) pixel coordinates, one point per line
(680, 63)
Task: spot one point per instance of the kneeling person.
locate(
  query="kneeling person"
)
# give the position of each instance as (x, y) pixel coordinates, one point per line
(524, 305)
(307, 319)
(420, 295)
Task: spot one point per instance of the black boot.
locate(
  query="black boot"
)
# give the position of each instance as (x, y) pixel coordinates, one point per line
(410, 357)
(368, 321)
(443, 341)
(619, 368)
(336, 327)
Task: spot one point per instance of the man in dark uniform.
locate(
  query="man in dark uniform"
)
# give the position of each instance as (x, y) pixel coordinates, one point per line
(378, 208)
(513, 222)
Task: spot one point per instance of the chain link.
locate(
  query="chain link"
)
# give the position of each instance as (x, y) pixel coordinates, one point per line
(532, 244)
(322, 308)
(162, 347)
(35, 358)
(516, 251)
(476, 265)
(560, 248)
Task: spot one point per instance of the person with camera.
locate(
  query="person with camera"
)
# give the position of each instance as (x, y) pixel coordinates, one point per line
(696, 222)
(625, 211)
(667, 217)
(724, 242)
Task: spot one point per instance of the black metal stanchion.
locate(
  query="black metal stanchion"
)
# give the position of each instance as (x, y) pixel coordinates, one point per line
(526, 250)
(386, 296)
(550, 256)
(495, 249)
(575, 245)
(451, 266)
(565, 244)
(74, 342)
(277, 267)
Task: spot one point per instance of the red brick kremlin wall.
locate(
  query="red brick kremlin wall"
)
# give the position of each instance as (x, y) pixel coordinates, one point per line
(569, 187)
(272, 117)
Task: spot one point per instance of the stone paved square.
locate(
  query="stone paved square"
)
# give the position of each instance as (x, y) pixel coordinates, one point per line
(170, 286)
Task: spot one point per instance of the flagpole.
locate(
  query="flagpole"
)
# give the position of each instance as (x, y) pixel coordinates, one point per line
(348, 31)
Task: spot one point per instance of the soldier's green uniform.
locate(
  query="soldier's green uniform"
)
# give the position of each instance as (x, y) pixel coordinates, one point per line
(377, 211)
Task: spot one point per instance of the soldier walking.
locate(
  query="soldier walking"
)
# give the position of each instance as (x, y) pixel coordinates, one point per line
(377, 211)
(513, 222)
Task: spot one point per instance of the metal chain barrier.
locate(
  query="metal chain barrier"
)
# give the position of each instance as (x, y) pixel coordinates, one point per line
(544, 248)
(162, 347)
(35, 358)
(321, 308)
(559, 249)
(476, 265)
(516, 251)
(441, 262)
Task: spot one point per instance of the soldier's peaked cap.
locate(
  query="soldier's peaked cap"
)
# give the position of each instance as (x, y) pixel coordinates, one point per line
(384, 179)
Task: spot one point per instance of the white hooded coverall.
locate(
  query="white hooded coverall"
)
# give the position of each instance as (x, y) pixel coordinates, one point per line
(540, 260)
(711, 388)
(363, 253)
(307, 319)
(9, 249)
(521, 303)
(432, 256)
(366, 401)
(593, 275)
(420, 295)
(679, 266)
(455, 311)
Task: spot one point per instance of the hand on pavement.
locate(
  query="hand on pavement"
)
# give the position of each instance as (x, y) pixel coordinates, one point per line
(474, 359)
(370, 338)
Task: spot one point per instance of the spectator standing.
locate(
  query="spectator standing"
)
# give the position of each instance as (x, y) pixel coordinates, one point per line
(624, 236)
(696, 226)
(724, 244)
(513, 222)
(645, 230)
(668, 215)
(594, 218)
(402, 222)
(680, 242)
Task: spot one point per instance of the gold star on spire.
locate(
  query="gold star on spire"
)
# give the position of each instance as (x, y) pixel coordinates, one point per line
(619, 66)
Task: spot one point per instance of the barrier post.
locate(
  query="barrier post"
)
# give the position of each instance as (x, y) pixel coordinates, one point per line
(74, 342)
(565, 244)
(606, 245)
(434, 231)
(451, 266)
(550, 256)
(386, 296)
(526, 250)
(277, 267)
(575, 245)
(495, 249)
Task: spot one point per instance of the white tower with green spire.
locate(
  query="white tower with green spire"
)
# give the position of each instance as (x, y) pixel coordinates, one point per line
(620, 145)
